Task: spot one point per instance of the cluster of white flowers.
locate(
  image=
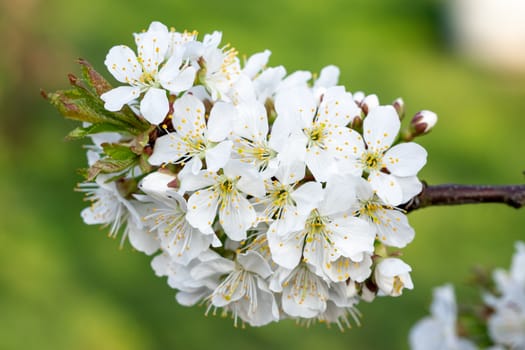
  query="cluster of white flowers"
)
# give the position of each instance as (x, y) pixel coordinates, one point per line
(505, 320)
(272, 196)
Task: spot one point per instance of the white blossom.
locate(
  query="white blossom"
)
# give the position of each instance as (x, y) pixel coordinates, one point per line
(391, 225)
(507, 324)
(304, 294)
(195, 140)
(244, 291)
(374, 155)
(108, 206)
(438, 331)
(319, 128)
(225, 194)
(167, 217)
(392, 276)
(326, 233)
(150, 72)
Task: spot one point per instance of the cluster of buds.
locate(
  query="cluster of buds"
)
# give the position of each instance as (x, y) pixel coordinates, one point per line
(264, 194)
(497, 324)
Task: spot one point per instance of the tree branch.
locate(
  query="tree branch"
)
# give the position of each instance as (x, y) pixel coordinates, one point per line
(452, 194)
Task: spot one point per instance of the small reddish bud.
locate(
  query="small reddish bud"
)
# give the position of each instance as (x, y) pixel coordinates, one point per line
(423, 122)
(399, 106)
(369, 102)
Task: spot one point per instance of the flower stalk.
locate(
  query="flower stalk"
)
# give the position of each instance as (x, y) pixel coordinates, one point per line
(455, 194)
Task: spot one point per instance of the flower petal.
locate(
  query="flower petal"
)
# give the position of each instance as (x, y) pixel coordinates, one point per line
(394, 229)
(156, 184)
(202, 207)
(380, 128)
(193, 182)
(142, 240)
(122, 63)
(256, 63)
(152, 47)
(218, 156)
(251, 122)
(405, 159)
(297, 106)
(320, 163)
(337, 107)
(116, 98)
(236, 215)
(175, 80)
(352, 236)
(254, 262)
(221, 119)
(308, 196)
(411, 187)
(328, 77)
(386, 187)
(339, 196)
(168, 149)
(188, 116)
(286, 251)
(154, 105)
(252, 185)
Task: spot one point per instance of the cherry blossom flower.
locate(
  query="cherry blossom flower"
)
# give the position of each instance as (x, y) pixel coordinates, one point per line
(391, 225)
(150, 72)
(225, 194)
(438, 331)
(195, 140)
(507, 324)
(320, 129)
(387, 167)
(392, 276)
(326, 233)
(167, 217)
(245, 293)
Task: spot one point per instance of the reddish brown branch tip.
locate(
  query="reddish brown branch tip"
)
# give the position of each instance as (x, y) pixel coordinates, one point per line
(452, 194)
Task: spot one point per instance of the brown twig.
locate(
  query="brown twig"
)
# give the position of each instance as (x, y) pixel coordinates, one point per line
(453, 194)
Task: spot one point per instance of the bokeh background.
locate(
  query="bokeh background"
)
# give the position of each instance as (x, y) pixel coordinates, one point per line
(64, 285)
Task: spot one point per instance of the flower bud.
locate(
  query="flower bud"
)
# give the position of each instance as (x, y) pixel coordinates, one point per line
(392, 275)
(367, 294)
(358, 96)
(356, 123)
(369, 102)
(399, 105)
(423, 122)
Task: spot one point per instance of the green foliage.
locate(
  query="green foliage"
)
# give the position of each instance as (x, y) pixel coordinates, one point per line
(82, 132)
(82, 103)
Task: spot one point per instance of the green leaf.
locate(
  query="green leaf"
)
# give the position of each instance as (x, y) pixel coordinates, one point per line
(140, 141)
(83, 103)
(78, 104)
(109, 166)
(80, 132)
(95, 80)
(117, 151)
(144, 165)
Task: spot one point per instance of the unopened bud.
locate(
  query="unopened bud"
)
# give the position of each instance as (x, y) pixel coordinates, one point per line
(423, 122)
(368, 291)
(358, 96)
(369, 102)
(357, 123)
(399, 106)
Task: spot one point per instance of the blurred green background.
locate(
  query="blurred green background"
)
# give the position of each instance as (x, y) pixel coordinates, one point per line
(64, 285)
